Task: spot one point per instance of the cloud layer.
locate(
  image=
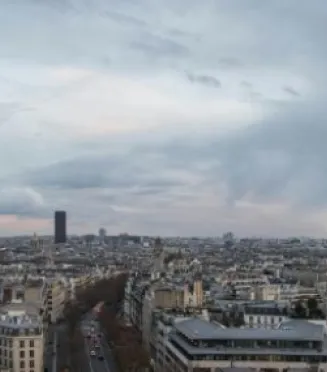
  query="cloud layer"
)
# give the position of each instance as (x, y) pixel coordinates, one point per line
(171, 118)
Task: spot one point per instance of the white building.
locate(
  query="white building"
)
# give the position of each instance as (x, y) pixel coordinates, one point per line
(264, 315)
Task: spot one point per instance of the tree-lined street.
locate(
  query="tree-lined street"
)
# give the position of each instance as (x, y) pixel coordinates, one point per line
(125, 352)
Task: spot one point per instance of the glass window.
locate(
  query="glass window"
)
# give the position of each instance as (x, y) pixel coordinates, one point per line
(21, 343)
(31, 343)
(22, 354)
(22, 364)
(32, 364)
(31, 353)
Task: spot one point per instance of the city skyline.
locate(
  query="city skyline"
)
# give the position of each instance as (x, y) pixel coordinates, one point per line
(166, 119)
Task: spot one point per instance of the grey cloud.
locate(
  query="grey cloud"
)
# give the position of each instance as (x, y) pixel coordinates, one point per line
(246, 84)
(8, 110)
(209, 81)
(283, 157)
(159, 46)
(280, 158)
(229, 63)
(245, 44)
(290, 90)
(24, 202)
(123, 18)
(134, 171)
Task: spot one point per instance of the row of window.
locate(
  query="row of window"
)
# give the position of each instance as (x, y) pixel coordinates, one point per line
(22, 354)
(248, 343)
(311, 359)
(248, 357)
(22, 343)
(9, 364)
(8, 342)
(20, 331)
(273, 319)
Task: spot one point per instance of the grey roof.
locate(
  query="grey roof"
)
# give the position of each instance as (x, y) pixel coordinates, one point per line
(235, 369)
(198, 329)
(193, 350)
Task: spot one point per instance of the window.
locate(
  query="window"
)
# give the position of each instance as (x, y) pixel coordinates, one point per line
(31, 343)
(22, 364)
(31, 353)
(22, 343)
(22, 354)
(32, 364)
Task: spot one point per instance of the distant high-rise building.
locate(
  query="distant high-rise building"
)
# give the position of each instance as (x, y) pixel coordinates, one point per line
(60, 227)
(102, 234)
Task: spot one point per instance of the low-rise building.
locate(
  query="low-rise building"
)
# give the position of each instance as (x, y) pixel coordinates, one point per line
(198, 345)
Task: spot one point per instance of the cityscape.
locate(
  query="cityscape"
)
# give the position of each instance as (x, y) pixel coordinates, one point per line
(141, 303)
(163, 186)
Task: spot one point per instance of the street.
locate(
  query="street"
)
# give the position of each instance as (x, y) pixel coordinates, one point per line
(56, 353)
(94, 363)
(51, 348)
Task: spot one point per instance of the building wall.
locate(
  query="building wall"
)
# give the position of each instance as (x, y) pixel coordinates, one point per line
(28, 354)
(263, 320)
(60, 227)
(169, 298)
(172, 360)
(56, 301)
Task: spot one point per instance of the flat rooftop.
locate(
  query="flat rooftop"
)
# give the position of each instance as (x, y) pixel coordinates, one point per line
(300, 330)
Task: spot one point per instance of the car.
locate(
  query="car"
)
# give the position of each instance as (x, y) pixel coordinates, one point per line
(92, 353)
(100, 357)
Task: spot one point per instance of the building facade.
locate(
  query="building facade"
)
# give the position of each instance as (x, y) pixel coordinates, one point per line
(60, 227)
(21, 339)
(197, 345)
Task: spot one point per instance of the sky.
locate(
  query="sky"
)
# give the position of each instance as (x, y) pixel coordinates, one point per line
(167, 117)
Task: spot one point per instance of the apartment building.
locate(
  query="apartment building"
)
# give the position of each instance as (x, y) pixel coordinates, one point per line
(56, 297)
(268, 292)
(31, 291)
(21, 338)
(264, 315)
(198, 345)
(76, 284)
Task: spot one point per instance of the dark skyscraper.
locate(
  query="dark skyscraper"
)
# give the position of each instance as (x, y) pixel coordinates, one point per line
(60, 227)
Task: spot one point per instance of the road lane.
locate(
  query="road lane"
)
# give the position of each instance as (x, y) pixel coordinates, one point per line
(62, 347)
(96, 365)
(54, 352)
(87, 352)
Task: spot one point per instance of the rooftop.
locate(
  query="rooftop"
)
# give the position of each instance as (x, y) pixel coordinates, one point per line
(198, 329)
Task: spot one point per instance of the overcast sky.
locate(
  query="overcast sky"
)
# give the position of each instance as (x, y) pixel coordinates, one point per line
(166, 117)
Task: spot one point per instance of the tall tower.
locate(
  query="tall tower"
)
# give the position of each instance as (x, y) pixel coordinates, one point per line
(60, 227)
(102, 234)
